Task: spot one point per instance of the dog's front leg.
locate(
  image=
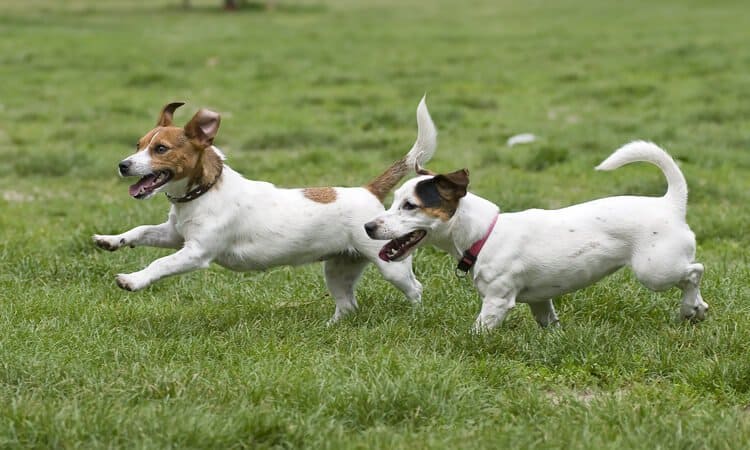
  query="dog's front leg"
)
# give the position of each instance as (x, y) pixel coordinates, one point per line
(163, 235)
(493, 312)
(190, 257)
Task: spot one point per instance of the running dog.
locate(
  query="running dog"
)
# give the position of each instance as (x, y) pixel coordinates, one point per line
(535, 255)
(219, 216)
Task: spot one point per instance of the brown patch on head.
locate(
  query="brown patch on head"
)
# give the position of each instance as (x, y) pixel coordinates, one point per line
(439, 196)
(185, 151)
(320, 194)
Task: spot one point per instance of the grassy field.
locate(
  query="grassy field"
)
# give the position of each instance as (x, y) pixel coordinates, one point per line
(324, 92)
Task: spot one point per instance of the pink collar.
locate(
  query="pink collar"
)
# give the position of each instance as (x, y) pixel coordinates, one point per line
(470, 256)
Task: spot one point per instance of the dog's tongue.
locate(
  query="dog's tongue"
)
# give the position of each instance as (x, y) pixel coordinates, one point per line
(135, 189)
(384, 254)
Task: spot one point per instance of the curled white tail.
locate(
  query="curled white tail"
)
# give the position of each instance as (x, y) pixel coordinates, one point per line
(420, 152)
(677, 190)
(424, 147)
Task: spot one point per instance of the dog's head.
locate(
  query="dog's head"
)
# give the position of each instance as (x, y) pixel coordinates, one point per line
(423, 205)
(169, 154)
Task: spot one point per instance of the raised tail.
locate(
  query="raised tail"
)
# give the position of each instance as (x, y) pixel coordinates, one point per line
(420, 153)
(677, 190)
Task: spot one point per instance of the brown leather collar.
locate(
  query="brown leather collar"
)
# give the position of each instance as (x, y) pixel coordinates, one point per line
(194, 193)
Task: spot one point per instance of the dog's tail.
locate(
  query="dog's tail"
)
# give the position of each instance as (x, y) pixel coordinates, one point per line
(420, 153)
(677, 190)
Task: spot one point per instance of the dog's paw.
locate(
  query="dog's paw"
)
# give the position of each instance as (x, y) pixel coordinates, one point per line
(342, 311)
(130, 282)
(694, 313)
(416, 304)
(480, 328)
(110, 243)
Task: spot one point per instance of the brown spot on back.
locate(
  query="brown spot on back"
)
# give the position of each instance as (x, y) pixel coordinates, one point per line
(320, 194)
(386, 181)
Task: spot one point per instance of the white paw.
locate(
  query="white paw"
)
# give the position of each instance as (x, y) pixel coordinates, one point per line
(479, 327)
(340, 314)
(335, 319)
(106, 242)
(694, 312)
(486, 323)
(130, 282)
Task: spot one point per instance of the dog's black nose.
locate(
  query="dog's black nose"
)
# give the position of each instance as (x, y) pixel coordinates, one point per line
(124, 166)
(370, 228)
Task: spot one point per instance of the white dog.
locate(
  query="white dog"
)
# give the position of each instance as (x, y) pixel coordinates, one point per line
(535, 255)
(219, 216)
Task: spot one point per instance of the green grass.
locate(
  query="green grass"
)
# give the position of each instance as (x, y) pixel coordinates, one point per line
(324, 92)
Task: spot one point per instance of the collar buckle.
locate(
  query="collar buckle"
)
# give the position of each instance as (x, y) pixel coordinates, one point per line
(465, 263)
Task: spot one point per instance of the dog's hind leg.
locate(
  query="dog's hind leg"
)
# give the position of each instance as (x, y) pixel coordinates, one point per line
(544, 313)
(400, 274)
(693, 307)
(658, 270)
(342, 274)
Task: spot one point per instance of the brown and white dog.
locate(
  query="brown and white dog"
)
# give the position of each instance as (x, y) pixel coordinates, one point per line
(219, 216)
(536, 255)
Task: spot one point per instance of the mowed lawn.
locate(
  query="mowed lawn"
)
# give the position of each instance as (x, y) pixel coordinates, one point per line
(324, 93)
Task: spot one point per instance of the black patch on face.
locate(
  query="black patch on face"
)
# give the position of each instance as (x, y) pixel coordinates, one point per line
(428, 193)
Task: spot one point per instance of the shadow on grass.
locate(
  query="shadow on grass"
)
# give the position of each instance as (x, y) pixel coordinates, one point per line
(43, 13)
(250, 7)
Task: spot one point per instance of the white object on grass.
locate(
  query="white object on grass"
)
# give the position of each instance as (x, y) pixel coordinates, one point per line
(523, 138)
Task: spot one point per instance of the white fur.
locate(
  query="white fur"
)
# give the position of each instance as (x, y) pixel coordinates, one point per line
(253, 225)
(140, 162)
(535, 255)
(424, 146)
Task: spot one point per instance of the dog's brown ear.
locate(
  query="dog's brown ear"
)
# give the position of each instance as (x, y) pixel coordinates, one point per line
(165, 118)
(452, 186)
(203, 127)
(422, 171)
(443, 191)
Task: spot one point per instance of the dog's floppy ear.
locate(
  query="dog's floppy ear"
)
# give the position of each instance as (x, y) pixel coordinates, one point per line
(452, 186)
(203, 127)
(165, 118)
(445, 190)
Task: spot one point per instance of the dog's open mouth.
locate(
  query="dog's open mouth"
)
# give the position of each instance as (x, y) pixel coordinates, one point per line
(398, 248)
(148, 184)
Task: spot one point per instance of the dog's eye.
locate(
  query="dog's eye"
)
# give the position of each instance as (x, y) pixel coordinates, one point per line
(161, 149)
(408, 206)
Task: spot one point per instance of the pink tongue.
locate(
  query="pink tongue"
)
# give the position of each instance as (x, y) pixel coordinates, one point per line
(136, 188)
